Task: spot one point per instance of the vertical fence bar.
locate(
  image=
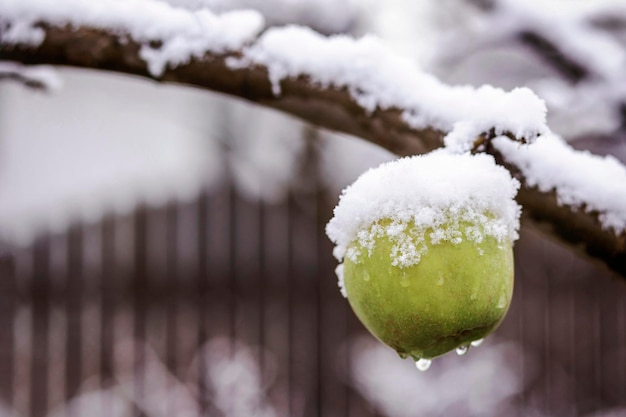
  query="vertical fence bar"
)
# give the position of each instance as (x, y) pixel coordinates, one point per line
(218, 306)
(621, 337)
(57, 321)
(304, 286)
(580, 352)
(156, 374)
(317, 276)
(107, 308)
(173, 297)
(73, 310)
(90, 316)
(547, 346)
(571, 326)
(609, 349)
(275, 301)
(40, 296)
(247, 261)
(202, 296)
(262, 287)
(233, 282)
(8, 303)
(520, 291)
(583, 366)
(22, 332)
(598, 351)
(312, 274)
(139, 289)
(335, 353)
(290, 303)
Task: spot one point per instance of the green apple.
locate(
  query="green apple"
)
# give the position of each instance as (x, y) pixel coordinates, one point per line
(458, 292)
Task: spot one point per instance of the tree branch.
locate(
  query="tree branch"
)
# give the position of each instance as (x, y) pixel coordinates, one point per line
(329, 107)
(568, 68)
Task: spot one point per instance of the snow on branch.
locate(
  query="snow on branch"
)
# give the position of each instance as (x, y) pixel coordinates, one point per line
(375, 78)
(353, 86)
(565, 36)
(583, 43)
(575, 194)
(39, 78)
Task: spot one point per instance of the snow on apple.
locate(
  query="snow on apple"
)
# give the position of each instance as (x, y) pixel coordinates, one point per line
(425, 191)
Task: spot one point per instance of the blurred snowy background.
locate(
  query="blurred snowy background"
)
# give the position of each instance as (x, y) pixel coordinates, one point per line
(162, 253)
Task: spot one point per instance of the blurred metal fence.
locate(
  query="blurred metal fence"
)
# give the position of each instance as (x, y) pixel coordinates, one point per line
(227, 307)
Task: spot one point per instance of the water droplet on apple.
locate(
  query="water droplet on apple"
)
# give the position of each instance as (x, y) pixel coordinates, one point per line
(440, 281)
(366, 276)
(404, 280)
(502, 301)
(478, 342)
(462, 350)
(423, 364)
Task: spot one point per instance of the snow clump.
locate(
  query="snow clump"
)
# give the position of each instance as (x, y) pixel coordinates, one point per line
(377, 78)
(442, 197)
(183, 34)
(579, 179)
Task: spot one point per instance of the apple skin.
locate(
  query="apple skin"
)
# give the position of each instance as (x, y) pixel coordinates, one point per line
(456, 294)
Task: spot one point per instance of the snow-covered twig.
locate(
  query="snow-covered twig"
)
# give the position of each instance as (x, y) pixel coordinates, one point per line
(566, 37)
(39, 78)
(580, 42)
(353, 86)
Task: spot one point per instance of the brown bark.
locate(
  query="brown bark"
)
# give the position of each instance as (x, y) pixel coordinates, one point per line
(330, 108)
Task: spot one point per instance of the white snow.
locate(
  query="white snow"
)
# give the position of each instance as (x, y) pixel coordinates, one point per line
(100, 145)
(328, 16)
(425, 195)
(589, 108)
(340, 280)
(379, 79)
(569, 29)
(597, 98)
(484, 47)
(184, 34)
(579, 178)
(566, 24)
(43, 76)
(265, 149)
(376, 78)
